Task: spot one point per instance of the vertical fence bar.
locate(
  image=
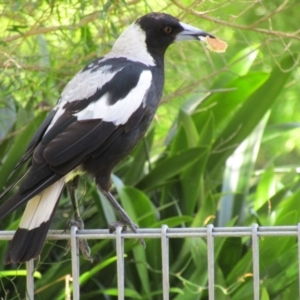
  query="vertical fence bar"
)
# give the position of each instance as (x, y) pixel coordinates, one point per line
(210, 262)
(75, 263)
(120, 262)
(298, 234)
(30, 280)
(255, 258)
(165, 261)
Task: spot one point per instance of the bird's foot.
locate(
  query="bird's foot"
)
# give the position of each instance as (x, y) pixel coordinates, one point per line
(112, 227)
(126, 221)
(76, 222)
(82, 243)
(124, 224)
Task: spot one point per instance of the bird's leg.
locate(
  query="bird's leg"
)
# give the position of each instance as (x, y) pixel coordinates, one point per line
(77, 221)
(126, 221)
(72, 185)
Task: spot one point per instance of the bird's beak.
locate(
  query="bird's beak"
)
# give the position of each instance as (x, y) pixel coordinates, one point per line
(191, 33)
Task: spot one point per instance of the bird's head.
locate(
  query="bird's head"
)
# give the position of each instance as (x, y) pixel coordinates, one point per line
(150, 36)
(161, 30)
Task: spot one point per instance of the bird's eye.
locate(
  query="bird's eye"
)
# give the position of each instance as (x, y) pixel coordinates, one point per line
(168, 29)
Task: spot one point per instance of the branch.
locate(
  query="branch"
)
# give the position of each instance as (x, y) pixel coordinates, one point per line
(87, 19)
(243, 27)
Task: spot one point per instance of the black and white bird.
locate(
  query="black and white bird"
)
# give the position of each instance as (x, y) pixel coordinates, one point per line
(102, 113)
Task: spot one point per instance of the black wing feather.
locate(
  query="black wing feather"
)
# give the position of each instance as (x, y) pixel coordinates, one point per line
(82, 136)
(27, 244)
(35, 140)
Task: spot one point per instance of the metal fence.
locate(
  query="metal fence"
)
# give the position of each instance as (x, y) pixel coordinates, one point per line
(164, 233)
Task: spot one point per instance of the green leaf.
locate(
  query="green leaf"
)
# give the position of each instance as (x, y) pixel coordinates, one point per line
(180, 141)
(289, 205)
(173, 221)
(265, 189)
(140, 155)
(238, 66)
(136, 204)
(190, 128)
(7, 116)
(84, 277)
(206, 133)
(223, 106)
(128, 293)
(16, 273)
(237, 176)
(192, 181)
(248, 115)
(170, 167)
(194, 281)
(18, 148)
(142, 205)
(207, 212)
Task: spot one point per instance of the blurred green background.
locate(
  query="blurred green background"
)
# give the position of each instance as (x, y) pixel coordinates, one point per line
(222, 149)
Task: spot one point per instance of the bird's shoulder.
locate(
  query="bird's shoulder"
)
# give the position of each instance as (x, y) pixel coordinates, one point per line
(102, 74)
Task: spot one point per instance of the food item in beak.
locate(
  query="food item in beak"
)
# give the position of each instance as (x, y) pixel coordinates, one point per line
(214, 44)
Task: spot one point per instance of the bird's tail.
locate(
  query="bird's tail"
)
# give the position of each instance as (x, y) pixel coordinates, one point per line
(29, 238)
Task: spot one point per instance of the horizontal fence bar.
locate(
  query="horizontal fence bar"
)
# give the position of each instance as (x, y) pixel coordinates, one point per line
(164, 233)
(171, 233)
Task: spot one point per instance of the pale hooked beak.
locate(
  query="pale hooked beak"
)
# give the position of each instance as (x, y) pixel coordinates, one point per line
(191, 33)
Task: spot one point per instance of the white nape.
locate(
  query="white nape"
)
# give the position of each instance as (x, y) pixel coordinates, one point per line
(132, 45)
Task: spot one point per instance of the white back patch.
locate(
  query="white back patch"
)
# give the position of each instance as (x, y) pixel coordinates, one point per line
(121, 111)
(85, 84)
(132, 45)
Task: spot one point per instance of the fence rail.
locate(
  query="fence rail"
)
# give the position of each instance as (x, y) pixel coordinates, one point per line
(164, 233)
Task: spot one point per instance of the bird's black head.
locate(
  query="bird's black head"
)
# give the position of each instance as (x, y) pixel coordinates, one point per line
(162, 30)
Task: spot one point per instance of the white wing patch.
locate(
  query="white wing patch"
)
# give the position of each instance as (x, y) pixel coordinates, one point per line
(85, 84)
(82, 86)
(121, 111)
(41, 206)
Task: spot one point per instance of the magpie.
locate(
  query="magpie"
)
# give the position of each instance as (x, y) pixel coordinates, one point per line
(102, 113)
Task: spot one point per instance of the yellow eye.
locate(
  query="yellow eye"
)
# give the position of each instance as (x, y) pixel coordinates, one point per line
(168, 29)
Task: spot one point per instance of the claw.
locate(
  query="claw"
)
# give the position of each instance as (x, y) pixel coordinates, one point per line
(82, 243)
(113, 226)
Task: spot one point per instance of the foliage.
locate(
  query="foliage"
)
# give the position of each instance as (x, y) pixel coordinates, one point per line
(223, 148)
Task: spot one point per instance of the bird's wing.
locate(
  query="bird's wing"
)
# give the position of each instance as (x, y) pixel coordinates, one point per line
(89, 121)
(35, 140)
(101, 102)
(100, 119)
(93, 109)
(28, 152)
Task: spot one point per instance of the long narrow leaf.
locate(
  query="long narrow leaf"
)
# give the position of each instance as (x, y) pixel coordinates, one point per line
(248, 116)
